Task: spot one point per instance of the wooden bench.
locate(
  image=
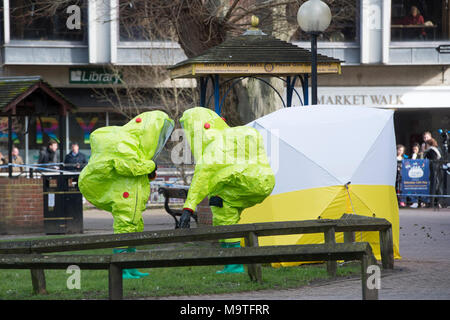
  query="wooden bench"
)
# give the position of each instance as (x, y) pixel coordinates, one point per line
(198, 257)
(351, 223)
(250, 232)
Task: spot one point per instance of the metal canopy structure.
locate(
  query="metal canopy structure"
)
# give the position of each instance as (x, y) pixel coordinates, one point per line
(254, 54)
(32, 96)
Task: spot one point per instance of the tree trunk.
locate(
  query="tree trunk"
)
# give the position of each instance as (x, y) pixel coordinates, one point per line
(197, 29)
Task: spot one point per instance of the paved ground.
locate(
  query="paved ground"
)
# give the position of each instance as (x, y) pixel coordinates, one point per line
(422, 274)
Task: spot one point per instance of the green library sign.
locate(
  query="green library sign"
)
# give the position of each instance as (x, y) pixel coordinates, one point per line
(93, 76)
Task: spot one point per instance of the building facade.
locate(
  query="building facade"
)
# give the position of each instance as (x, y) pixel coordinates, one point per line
(389, 62)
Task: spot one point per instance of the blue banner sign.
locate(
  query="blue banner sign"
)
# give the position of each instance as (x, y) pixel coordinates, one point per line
(415, 176)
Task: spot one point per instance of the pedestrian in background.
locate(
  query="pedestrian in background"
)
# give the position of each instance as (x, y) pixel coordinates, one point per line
(16, 159)
(48, 155)
(426, 136)
(401, 152)
(75, 160)
(3, 162)
(400, 156)
(415, 154)
(433, 154)
(431, 151)
(415, 151)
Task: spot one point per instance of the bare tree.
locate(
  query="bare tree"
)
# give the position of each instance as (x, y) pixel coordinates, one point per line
(197, 25)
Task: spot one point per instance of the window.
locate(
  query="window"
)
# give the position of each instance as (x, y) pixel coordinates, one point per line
(81, 125)
(344, 25)
(420, 20)
(143, 21)
(18, 136)
(40, 20)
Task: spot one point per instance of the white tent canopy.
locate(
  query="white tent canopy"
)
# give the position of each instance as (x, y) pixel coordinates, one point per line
(315, 151)
(323, 145)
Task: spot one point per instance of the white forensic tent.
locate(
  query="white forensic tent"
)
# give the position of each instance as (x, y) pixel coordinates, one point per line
(315, 151)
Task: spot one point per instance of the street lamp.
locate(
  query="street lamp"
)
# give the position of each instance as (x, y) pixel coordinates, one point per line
(314, 16)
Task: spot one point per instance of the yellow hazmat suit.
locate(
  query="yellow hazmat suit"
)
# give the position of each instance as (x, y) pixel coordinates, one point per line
(231, 166)
(116, 177)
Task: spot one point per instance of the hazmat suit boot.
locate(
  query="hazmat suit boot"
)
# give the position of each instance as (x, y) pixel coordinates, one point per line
(231, 268)
(126, 274)
(135, 272)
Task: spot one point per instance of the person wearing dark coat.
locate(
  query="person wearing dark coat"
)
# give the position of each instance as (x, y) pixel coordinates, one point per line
(49, 155)
(433, 154)
(75, 160)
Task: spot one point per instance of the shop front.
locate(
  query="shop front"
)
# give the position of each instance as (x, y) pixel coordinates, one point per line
(31, 134)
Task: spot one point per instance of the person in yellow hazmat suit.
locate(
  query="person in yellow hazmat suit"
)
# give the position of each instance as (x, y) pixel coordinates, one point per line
(231, 169)
(122, 163)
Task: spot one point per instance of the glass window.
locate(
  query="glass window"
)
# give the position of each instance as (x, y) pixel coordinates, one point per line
(18, 136)
(137, 21)
(420, 20)
(39, 20)
(81, 125)
(344, 25)
(40, 131)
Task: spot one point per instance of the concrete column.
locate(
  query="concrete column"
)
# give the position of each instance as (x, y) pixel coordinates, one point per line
(371, 31)
(99, 15)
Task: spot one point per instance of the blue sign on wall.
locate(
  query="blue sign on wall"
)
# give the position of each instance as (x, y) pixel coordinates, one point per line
(415, 176)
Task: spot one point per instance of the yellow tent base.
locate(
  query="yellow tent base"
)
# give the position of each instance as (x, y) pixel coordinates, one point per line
(328, 203)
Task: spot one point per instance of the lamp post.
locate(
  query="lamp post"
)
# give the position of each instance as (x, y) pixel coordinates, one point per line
(314, 17)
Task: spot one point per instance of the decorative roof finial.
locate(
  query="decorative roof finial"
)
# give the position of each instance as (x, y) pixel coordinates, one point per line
(255, 22)
(254, 30)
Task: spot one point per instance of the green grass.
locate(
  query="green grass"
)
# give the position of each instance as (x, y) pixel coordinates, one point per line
(16, 284)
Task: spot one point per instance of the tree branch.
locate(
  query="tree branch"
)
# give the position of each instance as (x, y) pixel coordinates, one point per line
(230, 11)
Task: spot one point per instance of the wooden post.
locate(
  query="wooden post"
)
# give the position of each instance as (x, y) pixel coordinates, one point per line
(254, 270)
(369, 290)
(115, 282)
(349, 237)
(10, 145)
(38, 281)
(62, 140)
(387, 249)
(330, 238)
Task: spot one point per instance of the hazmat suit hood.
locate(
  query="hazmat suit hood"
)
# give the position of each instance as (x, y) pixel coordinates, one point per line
(200, 126)
(152, 130)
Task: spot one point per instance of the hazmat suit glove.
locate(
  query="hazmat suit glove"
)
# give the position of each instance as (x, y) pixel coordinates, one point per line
(185, 219)
(152, 175)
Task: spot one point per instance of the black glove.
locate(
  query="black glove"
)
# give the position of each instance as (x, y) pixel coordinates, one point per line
(216, 201)
(152, 175)
(185, 219)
